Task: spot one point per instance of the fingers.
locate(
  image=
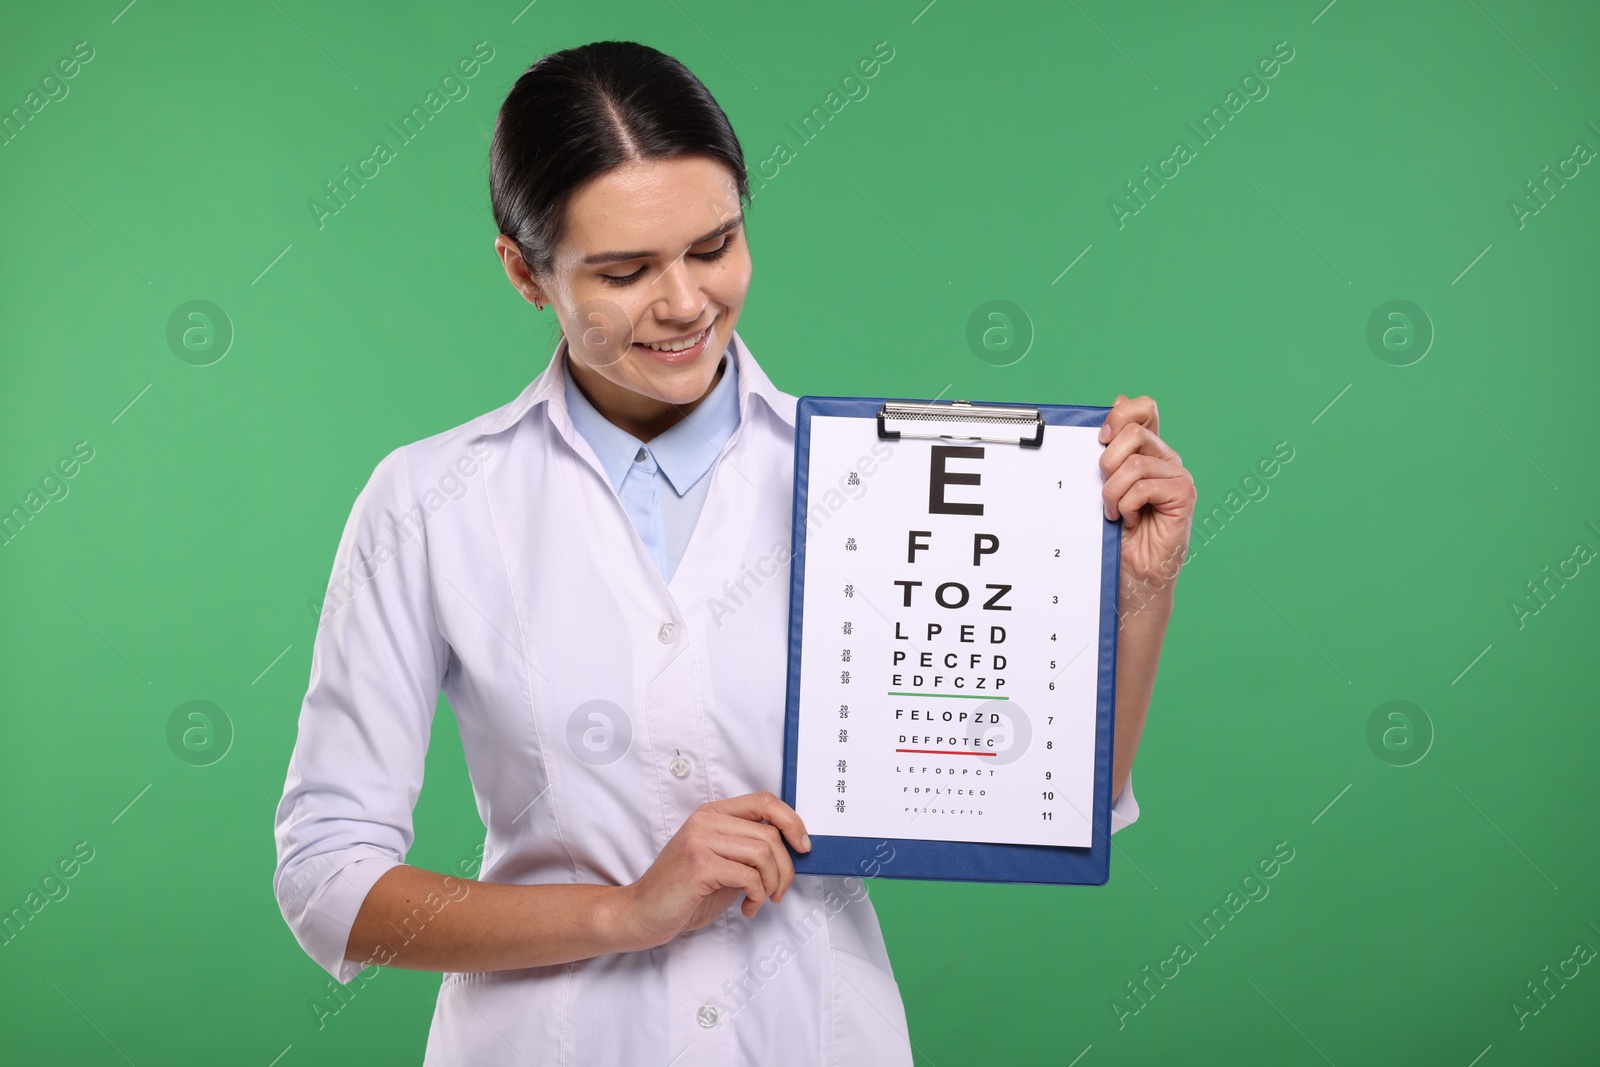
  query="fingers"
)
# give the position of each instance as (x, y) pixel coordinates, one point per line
(1139, 467)
(765, 805)
(1133, 439)
(750, 829)
(1114, 493)
(761, 846)
(736, 875)
(1175, 493)
(753, 855)
(772, 838)
(1141, 409)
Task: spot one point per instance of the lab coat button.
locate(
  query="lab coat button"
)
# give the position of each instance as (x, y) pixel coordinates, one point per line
(707, 1016)
(679, 767)
(668, 633)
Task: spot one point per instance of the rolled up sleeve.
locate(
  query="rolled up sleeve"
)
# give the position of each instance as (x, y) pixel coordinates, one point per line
(1125, 812)
(357, 766)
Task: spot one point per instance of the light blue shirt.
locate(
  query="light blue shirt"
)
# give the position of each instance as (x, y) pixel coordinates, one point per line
(663, 482)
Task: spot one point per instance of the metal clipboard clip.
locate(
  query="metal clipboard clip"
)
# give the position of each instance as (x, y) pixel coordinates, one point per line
(1021, 425)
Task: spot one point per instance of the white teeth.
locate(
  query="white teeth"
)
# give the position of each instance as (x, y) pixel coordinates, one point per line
(678, 346)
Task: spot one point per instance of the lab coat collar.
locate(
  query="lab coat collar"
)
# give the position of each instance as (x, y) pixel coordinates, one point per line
(755, 389)
(684, 452)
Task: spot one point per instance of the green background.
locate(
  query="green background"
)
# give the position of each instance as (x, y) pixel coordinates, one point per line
(1381, 565)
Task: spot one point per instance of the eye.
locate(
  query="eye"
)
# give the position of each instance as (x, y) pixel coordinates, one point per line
(709, 257)
(613, 279)
(717, 252)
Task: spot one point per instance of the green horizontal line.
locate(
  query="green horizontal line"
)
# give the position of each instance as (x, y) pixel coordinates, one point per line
(948, 696)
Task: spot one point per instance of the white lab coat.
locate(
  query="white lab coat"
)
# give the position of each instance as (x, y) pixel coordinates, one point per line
(598, 706)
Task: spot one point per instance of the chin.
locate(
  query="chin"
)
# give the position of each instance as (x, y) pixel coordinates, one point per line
(685, 390)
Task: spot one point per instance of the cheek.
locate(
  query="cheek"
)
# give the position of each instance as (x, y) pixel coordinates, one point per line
(729, 283)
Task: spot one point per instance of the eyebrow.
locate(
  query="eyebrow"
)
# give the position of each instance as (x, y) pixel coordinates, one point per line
(618, 257)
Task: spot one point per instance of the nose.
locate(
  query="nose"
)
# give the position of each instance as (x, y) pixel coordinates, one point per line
(680, 297)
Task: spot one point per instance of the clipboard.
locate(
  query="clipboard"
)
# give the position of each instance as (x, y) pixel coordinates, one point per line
(1001, 426)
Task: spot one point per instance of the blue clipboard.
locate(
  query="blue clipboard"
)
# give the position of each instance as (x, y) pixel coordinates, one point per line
(956, 861)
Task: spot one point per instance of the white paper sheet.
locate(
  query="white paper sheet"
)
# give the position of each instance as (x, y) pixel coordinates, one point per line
(961, 708)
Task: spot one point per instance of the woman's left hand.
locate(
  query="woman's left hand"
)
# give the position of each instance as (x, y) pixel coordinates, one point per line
(1147, 485)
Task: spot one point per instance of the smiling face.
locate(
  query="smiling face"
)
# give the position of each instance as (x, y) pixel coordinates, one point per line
(653, 258)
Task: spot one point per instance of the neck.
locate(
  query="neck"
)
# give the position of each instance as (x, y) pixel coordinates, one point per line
(644, 417)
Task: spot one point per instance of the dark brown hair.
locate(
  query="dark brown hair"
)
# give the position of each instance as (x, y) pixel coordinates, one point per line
(578, 113)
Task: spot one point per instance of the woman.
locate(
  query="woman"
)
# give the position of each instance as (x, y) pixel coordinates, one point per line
(550, 566)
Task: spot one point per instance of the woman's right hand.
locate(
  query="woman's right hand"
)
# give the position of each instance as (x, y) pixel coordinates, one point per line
(723, 850)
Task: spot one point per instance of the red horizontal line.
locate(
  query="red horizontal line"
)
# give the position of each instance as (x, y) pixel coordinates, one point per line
(947, 752)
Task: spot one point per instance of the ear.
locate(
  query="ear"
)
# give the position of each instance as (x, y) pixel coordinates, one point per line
(517, 271)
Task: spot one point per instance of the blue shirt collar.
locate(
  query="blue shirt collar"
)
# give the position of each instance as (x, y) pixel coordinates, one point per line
(684, 452)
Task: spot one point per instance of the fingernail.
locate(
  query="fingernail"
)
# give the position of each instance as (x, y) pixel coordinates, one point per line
(1105, 431)
(805, 843)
